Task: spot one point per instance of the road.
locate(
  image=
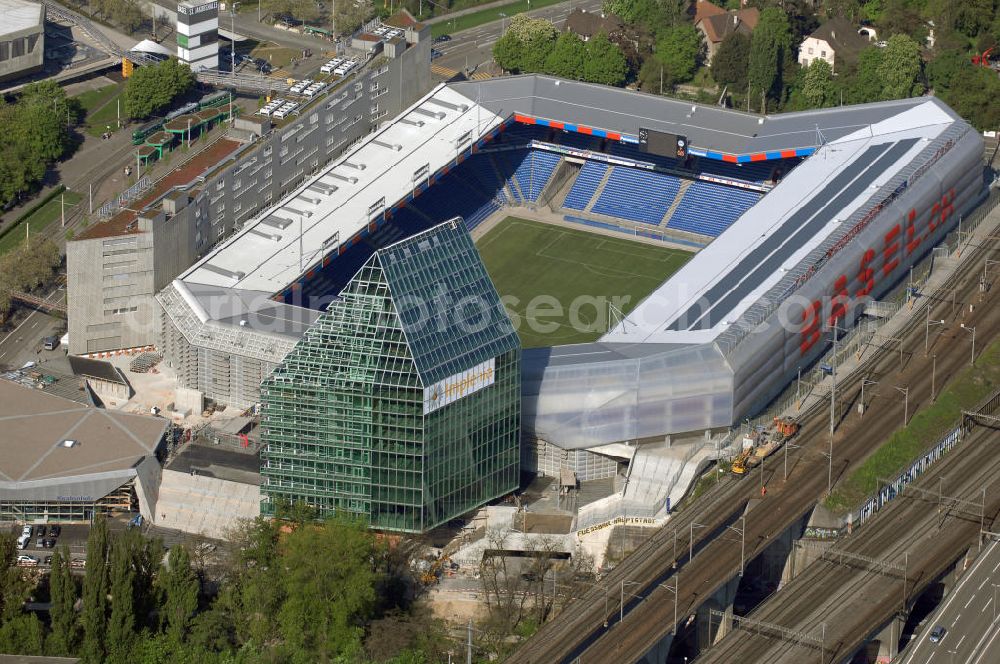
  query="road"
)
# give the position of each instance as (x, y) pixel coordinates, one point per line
(23, 343)
(846, 595)
(470, 48)
(579, 630)
(970, 616)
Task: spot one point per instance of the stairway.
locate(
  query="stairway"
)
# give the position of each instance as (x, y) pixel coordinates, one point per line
(685, 183)
(599, 189)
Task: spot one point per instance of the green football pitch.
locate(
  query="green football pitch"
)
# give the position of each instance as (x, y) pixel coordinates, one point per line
(559, 284)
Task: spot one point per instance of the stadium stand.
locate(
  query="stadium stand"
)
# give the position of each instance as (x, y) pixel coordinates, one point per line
(483, 176)
(507, 163)
(585, 185)
(637, 195)
(709, 209)
(534, 171)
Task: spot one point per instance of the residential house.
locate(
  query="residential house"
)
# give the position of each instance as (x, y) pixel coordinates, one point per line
(586, 24)
(715, 23)
(837, 41)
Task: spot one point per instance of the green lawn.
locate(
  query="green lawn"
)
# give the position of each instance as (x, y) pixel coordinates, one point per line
(104, 110)
(926, 427)
(39, 221)
(487, 15)
(557, 282)
(91, 100)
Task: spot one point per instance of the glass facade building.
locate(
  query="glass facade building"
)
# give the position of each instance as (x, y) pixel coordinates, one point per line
(402, 402)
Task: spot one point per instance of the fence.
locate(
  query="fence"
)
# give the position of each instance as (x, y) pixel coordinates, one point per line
(892, 489)
(633, 231)
(110, 208)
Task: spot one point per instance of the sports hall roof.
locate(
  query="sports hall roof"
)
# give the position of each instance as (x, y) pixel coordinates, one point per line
(716, 287)
(719, 131)
(34, 461)
(330, 208)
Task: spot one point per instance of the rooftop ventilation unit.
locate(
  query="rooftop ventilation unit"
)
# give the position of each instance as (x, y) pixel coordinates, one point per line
(437, 115)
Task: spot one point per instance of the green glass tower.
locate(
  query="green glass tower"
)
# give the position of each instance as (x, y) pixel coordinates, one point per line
(402, 402)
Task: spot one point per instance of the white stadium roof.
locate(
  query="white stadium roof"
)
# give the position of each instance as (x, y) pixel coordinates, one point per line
(331, 207)
(721, 282)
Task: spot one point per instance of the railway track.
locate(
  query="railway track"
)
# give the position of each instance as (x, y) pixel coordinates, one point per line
(845, 602)
(585, 633)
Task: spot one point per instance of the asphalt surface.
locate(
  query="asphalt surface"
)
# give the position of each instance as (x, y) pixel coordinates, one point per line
(472, 47)
(24, 342)
(969, 614)
(579, 631)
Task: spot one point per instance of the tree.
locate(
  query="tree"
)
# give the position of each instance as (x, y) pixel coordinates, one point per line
(567, 57)
(817, 87)
(526, 44)
(350, 16)
(122, 622)
(680, 51)
(866, 86)
(180, 592)
(730, 64)
(971, 91)
(327, 597)
(62, 640)
(899, 68)
(769, 48)
(605, 63)
(95, 592)
(153, 87)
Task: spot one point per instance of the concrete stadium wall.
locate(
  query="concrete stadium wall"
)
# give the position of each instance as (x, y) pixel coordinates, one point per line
(204, 505)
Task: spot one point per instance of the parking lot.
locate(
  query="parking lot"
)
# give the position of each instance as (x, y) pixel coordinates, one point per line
(71, 535)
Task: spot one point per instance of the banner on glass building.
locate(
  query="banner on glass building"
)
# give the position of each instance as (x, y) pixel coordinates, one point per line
(459, 385)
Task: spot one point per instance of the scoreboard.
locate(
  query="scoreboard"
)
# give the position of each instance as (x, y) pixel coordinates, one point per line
(662, 143)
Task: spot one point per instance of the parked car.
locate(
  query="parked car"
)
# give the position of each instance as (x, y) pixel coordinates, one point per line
(49, 543)
(23, 541)
(78, 563)
(27, 561)
(55, 531)
(26, 531)
(47, 561)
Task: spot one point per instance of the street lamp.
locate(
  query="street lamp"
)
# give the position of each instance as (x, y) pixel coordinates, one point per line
(972, 359)
(503, 17)
(905, 391)
(927, 329)
(786, 446)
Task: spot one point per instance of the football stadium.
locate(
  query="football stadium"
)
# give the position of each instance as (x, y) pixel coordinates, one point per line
(667, 268)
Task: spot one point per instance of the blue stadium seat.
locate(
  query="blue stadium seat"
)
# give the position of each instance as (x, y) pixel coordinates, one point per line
(534, 171)
(637, 195)
(709, 209)
(585, 185)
